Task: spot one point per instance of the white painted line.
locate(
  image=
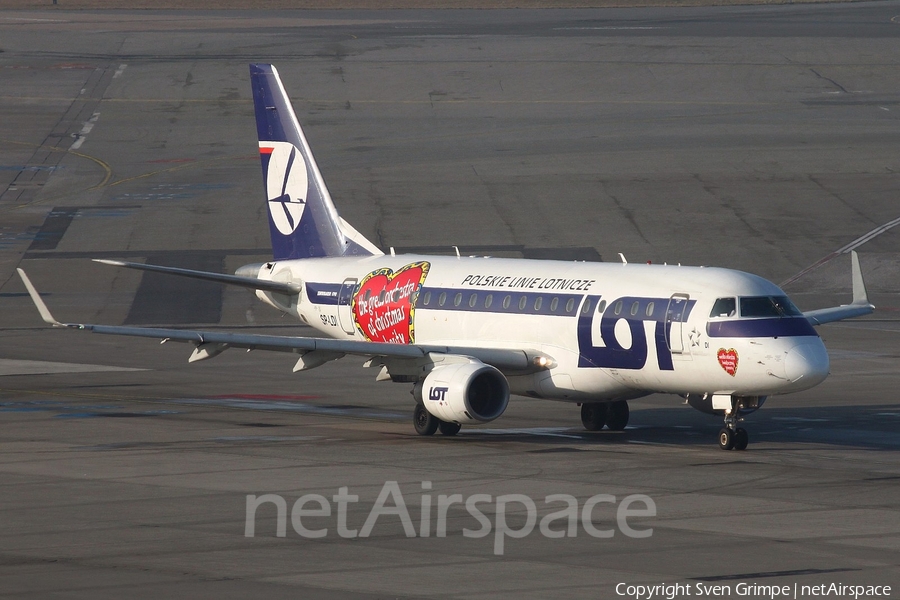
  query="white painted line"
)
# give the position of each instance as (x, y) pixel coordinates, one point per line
(546, 431)
(865, 238)
(604, 28)
(26, 20)
(11, 366)
(266, 438)
(86, 129)
(845, 249)
(260, 404)
(119, 71)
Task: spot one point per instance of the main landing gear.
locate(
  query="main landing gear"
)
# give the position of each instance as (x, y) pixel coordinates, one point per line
(732, 437)
(594, 415)
(427, 424)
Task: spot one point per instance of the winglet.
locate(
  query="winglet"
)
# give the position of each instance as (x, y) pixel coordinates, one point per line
(860, 295)
(859, 307)
(38, 302)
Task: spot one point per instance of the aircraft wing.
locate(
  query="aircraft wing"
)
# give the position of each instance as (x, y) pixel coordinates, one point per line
(859, 307)
(211, 343)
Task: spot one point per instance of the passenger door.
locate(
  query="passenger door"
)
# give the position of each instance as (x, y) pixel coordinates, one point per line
(678, 304)
(345, 300)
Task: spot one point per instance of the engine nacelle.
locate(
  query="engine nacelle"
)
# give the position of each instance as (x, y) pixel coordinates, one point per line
(471, 392)
(267, 271)
(704, 403)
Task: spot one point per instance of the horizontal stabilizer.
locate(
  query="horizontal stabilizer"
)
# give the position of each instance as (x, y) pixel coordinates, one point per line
(248, 282)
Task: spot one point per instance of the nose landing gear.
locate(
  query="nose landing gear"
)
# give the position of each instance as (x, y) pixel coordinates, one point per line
(732, 437)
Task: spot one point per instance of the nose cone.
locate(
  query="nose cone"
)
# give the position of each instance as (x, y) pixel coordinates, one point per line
(806, 365)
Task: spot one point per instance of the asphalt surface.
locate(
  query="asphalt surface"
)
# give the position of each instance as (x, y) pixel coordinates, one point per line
(764, 139)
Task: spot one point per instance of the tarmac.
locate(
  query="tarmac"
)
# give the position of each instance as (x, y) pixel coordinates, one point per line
(758, 138)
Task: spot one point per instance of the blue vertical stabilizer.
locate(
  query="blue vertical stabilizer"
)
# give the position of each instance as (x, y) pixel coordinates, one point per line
(302, 219)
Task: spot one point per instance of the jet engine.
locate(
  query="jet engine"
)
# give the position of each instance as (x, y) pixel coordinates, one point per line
(470, 392)
(704, 403)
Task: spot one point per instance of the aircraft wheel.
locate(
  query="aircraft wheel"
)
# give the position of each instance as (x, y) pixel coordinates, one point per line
(617, 417)
(593, 415)
(726, 439)
(741, 439)
(424, 422)
(449, 428)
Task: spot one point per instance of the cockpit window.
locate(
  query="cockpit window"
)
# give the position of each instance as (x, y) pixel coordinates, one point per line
(724, 307)
(769, 306)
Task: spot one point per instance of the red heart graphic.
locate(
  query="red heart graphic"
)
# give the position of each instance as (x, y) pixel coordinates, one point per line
(728, 359)
(383, 306)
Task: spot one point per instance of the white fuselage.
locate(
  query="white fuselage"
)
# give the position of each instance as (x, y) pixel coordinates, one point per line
(615, 331)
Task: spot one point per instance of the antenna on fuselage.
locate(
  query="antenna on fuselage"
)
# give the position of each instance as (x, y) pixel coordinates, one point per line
(622, 256)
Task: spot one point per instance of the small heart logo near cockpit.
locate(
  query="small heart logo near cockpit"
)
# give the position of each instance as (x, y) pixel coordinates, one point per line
(384, 304)
(728, 359)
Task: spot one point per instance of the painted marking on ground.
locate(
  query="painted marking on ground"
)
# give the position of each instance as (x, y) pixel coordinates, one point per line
(846, 249)
(11, 366)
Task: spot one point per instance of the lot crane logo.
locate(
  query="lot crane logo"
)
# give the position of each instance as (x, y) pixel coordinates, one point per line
(728, 359)
(286, 184)
(384, 304)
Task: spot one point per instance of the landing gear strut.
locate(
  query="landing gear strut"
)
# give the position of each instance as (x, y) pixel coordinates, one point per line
(732, 437)
(594, 415)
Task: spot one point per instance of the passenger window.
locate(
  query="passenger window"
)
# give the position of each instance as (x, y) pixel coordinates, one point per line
(472, 300)
(538, 302)
(506, 301)
(724, 307)
(442, 298)
(554, 304)
(426, 299)
(617, 310)
(570, 305)
(488, 300)
(522, 302)
(457, 300)
(586, 308)
(634, 308)
(649, 310)
(601, 307)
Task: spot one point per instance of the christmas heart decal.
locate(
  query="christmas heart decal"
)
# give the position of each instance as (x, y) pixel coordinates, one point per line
(383, 306)
(728, 359)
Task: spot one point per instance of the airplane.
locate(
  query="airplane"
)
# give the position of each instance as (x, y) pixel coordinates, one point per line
(468, 332)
